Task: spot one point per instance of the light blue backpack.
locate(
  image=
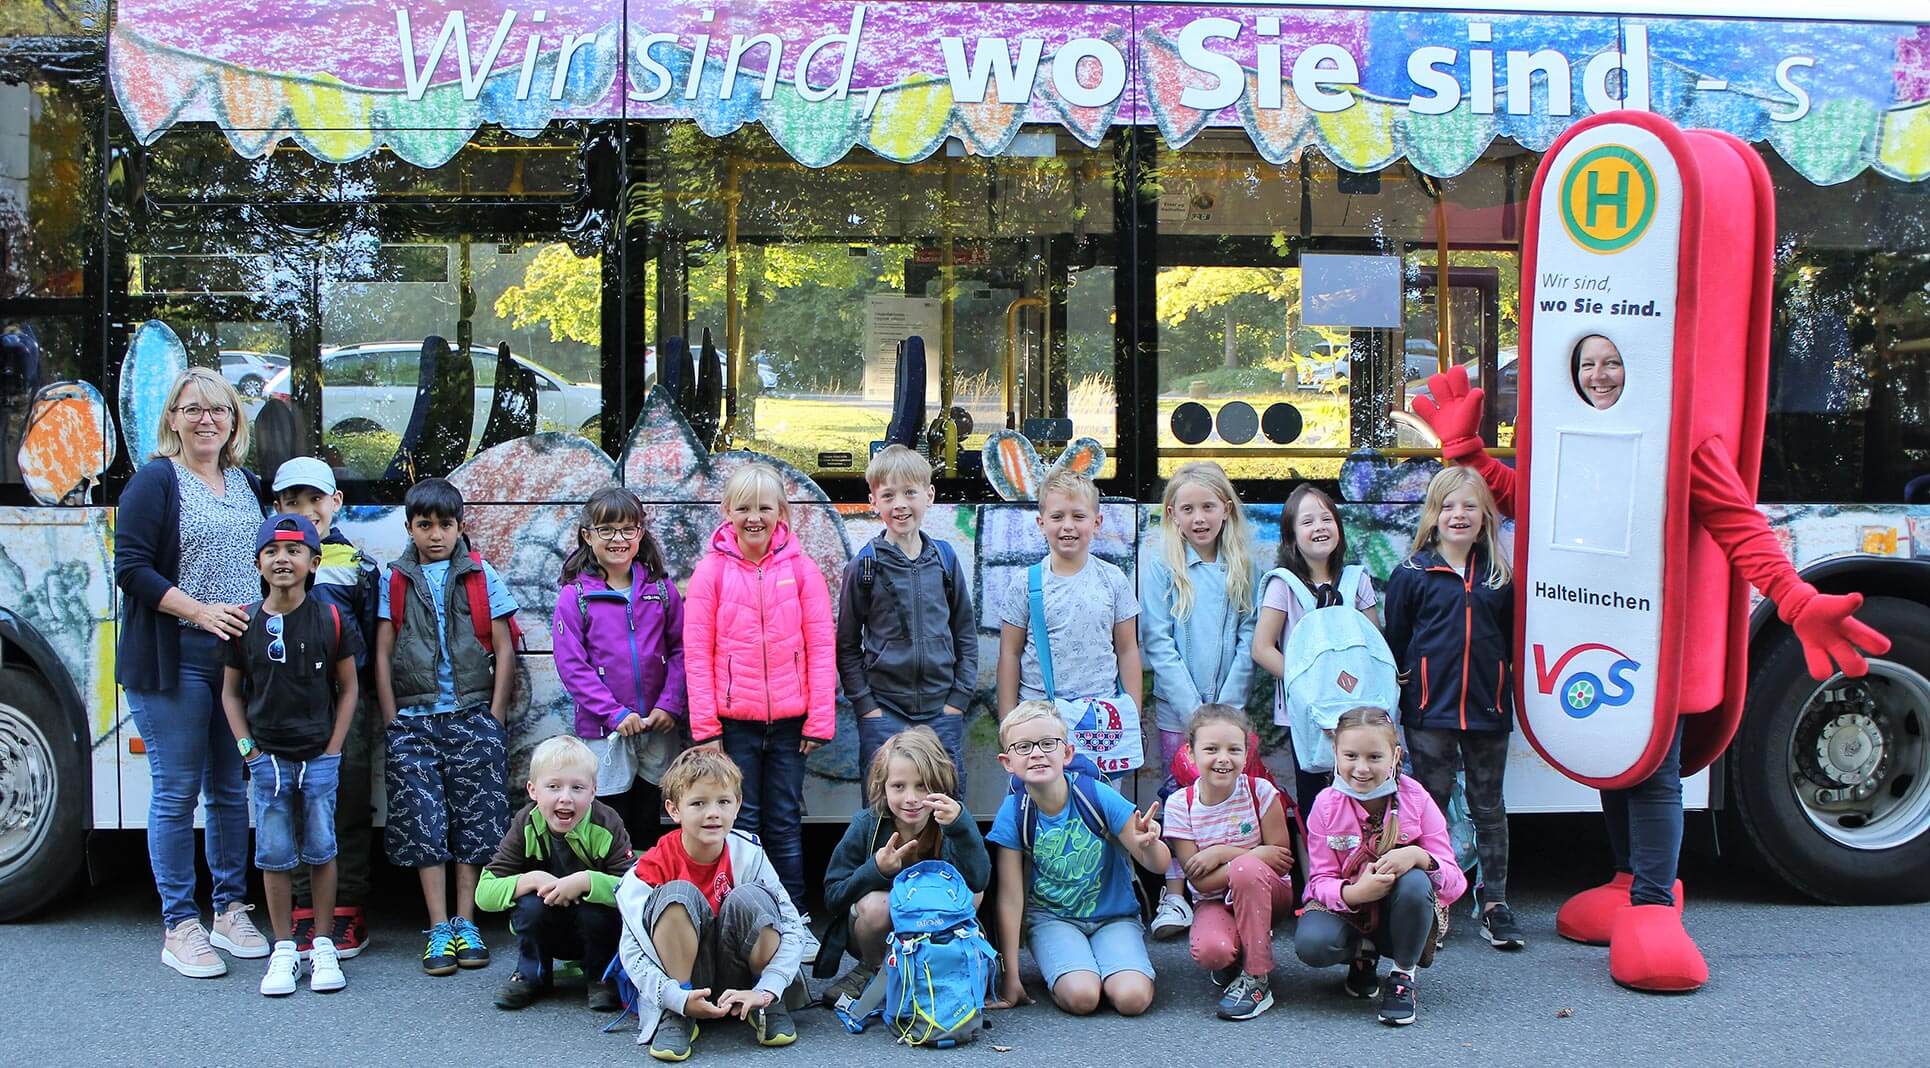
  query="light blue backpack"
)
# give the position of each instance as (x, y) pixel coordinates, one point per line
(939, 969)
(1335, 659)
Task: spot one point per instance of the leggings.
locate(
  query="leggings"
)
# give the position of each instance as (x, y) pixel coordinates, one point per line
(1438, 754)
(1324, 938)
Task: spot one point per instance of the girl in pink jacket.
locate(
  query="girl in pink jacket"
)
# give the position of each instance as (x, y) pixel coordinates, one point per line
(760, 654)
(1381, 871)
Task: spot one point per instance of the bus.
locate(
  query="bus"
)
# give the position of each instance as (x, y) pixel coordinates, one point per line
(672, 237)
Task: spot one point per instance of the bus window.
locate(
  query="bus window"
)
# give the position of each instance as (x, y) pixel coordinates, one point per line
(48, 208)
(808, 279)
(1294, 301)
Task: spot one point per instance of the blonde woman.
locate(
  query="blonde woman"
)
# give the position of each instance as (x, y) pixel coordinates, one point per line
(184, 561)
(1450, 626)
(1199, 600)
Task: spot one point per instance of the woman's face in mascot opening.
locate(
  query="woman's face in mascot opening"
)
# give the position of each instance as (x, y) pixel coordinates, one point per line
(1599, 373)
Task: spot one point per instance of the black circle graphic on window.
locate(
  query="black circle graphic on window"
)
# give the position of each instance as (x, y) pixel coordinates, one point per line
(1192, 423)
(1238, 423)
(1281, 424)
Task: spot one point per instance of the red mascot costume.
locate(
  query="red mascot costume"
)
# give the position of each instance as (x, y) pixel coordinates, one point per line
(1646, 286)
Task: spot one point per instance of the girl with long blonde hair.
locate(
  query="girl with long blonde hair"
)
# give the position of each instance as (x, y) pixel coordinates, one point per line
(1196, 624)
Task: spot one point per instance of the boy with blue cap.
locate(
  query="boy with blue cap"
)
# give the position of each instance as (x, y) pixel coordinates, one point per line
(289, 693)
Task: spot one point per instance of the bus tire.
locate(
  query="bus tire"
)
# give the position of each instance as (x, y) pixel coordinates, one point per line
(1831, 781)
(43, 796)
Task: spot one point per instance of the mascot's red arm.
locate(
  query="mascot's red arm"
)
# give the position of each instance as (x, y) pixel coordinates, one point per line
(1722, 505)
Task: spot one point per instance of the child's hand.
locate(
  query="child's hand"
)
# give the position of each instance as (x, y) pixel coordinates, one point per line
(1207, 861)
(739, 1003)
(715, 745)
(1143, 830)
(659, 720)
(891, 856)
(943, 809)
(808, 745)
(1011, 992)
(630, 724)
(1397, 862)
(1372, 886)
(1277, 858)
(697, 1006)
(534, 882)
(568, 890)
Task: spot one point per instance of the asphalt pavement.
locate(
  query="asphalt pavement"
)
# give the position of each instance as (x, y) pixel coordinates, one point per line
(1793, 982)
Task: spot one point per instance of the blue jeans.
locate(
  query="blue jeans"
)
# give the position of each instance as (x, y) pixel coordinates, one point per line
(191, 755)
(773, 808)
(277, 786)
(875, 730)
(1645, 829)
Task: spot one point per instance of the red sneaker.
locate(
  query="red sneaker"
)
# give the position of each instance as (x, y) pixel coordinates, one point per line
(304, 931)
(351, 932)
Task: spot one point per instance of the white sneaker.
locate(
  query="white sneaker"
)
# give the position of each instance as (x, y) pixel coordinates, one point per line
(235, 933)
(811, 944)
(325, 968)
(186, 950)
(284, 970)
(1173, 916)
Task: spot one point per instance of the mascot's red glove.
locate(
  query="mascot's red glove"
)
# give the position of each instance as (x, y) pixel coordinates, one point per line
(1453, 412)
(1822, 621)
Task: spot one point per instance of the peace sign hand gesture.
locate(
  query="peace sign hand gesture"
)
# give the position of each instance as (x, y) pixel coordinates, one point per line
(1143, 830)
(894, 854)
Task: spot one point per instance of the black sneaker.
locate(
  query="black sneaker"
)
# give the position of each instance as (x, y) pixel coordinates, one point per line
(1363, 978)
(850, 988)
(518, 992)
(673, 1037)
(773, 1025)
(1499, 928)
(304, 923)
(1223, 976)
(603, 997)
(1246, 996)
(471, 950)
(1397, 999)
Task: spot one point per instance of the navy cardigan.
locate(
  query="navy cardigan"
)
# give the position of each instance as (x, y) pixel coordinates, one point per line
(147, 562)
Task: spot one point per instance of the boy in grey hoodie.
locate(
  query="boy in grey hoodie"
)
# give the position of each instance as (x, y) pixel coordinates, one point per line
(907, 637)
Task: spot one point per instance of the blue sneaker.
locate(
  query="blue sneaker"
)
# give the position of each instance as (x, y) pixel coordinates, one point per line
(439, 955)
(471, 951)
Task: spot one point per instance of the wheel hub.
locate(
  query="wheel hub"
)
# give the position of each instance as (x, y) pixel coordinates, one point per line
(1860, 757)
(27, 786)
(1850, 750)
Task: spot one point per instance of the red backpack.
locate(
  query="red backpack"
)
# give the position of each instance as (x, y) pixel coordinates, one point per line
(476, 585)
(1186, 773)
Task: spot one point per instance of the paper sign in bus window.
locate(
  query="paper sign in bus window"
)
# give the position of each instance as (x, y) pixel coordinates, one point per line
(1595, 491)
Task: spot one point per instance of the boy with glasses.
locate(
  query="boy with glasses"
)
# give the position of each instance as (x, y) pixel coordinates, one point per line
(289, 693)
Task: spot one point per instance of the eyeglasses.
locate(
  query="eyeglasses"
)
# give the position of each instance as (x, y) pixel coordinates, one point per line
(194, 413)
(277, 649)
(616, 533)
(1025, 746)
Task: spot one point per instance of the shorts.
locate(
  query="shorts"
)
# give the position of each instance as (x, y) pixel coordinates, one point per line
(448, 798)
(275, 786)
(725, 938)
(1103, 947)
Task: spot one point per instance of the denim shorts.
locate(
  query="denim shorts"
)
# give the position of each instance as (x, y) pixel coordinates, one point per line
(1103, 947)
(275, 786)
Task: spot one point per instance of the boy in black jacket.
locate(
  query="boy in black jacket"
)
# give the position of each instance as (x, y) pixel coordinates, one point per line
(907, 638)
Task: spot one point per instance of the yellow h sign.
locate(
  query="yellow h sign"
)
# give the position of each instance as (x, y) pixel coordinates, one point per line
(1607, 198)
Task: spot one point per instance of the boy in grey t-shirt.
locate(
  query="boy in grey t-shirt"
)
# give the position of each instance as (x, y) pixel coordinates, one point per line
(1089, 609)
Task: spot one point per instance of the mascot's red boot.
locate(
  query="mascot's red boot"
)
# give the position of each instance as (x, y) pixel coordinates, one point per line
(1589, 917)
(1649, 950)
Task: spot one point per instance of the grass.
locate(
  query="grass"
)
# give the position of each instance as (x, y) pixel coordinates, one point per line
(797, 430)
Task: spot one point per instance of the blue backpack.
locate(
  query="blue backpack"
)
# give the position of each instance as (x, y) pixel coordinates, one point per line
(1335, 660)
(939, 968)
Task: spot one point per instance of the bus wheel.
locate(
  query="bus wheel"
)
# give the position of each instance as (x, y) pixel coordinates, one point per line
(1831, 780)
(42, 796)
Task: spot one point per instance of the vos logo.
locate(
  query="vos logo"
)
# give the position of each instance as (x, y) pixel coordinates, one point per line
(1583, 692)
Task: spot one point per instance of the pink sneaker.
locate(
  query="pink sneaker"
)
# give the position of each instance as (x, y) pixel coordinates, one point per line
(235, 933)
(186, 950)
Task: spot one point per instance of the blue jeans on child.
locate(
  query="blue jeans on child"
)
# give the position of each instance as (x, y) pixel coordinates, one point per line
(277, 786)
(773, 808)
(875, 730)
(190, 755)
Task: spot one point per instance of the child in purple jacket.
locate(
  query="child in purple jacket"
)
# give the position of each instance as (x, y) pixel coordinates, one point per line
(618, 639)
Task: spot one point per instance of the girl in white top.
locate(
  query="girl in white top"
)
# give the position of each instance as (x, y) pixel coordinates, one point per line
(1313, 545)
(1229, 833)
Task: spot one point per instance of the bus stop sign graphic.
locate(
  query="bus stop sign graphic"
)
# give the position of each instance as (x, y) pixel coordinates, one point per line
(1607, 198)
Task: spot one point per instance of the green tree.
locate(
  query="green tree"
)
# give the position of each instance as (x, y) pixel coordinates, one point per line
(560, 289)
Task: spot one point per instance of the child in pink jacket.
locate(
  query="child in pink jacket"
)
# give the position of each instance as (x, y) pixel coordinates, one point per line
(760, 654)
(1381, 871)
